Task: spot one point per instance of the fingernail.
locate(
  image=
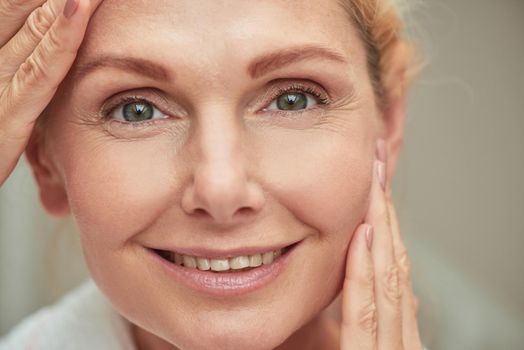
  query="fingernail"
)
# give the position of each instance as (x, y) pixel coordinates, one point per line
(70, 8)
(369, 236)
(382, 154)
(381, 173)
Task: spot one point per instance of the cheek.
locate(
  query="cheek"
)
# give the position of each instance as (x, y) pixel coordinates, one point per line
(324, 180)
(120, 188)
(117, 188)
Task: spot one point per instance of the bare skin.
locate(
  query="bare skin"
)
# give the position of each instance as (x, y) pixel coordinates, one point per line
(38, 45)
(339, 206)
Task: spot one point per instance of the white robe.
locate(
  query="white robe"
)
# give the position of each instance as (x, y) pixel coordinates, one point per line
(82, 319)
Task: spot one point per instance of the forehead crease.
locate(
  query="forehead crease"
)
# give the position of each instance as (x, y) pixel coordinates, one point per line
(147, 26)
(214, 9)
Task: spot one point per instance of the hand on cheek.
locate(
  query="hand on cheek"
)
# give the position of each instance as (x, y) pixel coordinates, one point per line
(378, 306)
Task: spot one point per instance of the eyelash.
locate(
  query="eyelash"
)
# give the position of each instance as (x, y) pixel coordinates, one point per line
(299, 88)
(322, 100)
(122, 101)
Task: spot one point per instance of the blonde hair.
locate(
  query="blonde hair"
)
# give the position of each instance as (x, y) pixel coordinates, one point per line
(381, 24)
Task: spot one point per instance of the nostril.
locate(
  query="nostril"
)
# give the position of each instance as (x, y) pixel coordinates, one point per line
(245, 211)
(241, 212)
(199, 212)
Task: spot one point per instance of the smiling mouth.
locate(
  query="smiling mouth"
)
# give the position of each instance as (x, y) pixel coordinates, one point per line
(224, 265)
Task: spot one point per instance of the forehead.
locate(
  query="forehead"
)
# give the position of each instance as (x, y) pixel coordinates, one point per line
(214, 27)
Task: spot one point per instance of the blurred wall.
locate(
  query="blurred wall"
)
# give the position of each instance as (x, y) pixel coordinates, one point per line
(459, 188)
(460, 183)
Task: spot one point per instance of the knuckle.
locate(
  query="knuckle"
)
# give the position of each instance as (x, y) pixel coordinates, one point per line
(10, 6)
(32, 72)
(367, 319)
(404, 263)
(39, 22)
(5, 76)
(391, 288)
(53, 42)
(365, 277)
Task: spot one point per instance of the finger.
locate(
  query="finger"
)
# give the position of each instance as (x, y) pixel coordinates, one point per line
(359, 318)
(410, 331)
(13, 14)
(35, 83)
(23, 43)
(387, 292)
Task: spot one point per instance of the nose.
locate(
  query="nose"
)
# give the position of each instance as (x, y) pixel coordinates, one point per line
(221, 191)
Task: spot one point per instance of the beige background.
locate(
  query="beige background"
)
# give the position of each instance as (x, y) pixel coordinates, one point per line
(459, 188)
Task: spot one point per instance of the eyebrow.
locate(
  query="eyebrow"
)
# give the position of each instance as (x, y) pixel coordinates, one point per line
(272, 61)
(139, 66)
(260, 66)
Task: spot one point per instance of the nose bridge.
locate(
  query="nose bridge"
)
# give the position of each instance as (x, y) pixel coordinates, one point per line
(221, 189)
(222, 160)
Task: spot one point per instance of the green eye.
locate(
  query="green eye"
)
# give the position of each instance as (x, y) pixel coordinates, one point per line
(137, 111)
(292, 101)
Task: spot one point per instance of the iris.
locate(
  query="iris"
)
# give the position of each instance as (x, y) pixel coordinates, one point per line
(292, 102)
(135, 112)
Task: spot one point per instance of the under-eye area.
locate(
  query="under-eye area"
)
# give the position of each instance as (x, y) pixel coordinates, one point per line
(224, 265)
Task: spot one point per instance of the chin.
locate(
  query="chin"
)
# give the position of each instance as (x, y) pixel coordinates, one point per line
(233, 342)
(223, 337)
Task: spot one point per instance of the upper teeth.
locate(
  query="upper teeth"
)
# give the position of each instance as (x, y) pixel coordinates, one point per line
(235, 263)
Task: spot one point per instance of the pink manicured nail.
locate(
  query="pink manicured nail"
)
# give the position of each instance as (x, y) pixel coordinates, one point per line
(70, 8)
(369, 236)
(381, 173)
(382, 153)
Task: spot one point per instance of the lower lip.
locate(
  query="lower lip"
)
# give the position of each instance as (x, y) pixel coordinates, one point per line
(226, 284)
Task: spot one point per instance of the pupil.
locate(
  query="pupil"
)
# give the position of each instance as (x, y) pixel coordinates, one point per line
(135, 112)
(294, 101)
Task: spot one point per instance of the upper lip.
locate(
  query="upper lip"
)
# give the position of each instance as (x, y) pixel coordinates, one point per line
(220, 253)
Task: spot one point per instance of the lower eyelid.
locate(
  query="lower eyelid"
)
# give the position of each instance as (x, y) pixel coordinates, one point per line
(134, 124)
(314, 111)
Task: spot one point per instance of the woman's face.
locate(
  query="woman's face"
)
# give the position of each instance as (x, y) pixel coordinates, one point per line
(263, 135)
